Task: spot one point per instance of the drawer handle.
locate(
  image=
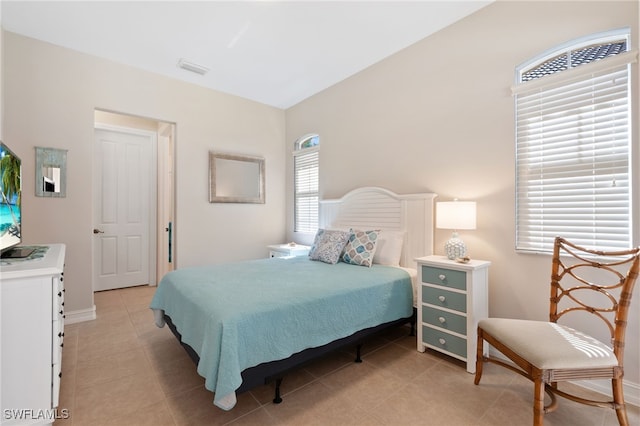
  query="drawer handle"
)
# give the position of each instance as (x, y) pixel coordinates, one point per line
(442, 298)
(442, 341)
(442, 320)
(442, 277)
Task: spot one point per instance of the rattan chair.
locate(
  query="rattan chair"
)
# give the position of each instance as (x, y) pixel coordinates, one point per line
(547, 352)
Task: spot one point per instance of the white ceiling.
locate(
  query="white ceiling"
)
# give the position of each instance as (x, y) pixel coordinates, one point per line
(277, 53)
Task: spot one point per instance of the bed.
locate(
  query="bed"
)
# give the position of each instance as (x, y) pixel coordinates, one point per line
(249, 323)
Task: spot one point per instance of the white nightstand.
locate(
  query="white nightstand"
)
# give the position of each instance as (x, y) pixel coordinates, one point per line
(287, 250)
(452, 298)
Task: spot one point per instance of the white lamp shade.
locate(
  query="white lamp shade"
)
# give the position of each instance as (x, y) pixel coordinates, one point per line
(456, 215)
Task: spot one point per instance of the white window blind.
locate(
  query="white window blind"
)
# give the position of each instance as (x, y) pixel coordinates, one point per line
(573, 158)
(306, 190)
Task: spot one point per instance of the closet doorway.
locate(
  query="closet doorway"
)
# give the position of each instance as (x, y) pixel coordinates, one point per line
(133, 201)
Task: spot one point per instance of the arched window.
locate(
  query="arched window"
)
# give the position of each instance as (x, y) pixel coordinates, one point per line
(573, 145)
(306, 176)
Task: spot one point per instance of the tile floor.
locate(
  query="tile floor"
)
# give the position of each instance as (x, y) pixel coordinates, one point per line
(120, 369)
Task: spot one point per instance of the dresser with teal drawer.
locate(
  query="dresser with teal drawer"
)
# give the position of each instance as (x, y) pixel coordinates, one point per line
(452, 298)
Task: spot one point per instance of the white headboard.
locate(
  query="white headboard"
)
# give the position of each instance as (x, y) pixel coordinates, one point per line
(379, 208)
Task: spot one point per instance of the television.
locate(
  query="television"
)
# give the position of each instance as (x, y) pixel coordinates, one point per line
(10, 203)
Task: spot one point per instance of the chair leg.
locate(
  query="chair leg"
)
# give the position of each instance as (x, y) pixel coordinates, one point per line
(479, 357)
(538, 402)
(618, 399)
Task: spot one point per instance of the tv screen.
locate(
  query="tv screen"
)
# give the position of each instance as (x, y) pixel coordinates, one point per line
(10, 204)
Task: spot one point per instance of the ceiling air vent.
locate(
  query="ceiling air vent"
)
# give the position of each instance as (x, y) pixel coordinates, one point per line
(193, 67)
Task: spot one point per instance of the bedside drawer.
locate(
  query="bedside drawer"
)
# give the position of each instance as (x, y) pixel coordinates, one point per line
(278, 254)
(288, 250)
(444, 277)
(444, 298)
(445, 320)
(445, 341)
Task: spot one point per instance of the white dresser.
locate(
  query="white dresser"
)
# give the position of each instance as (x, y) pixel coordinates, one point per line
(32, 325)
(452, 298)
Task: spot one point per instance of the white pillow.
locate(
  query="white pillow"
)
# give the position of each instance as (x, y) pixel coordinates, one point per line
(389, 248)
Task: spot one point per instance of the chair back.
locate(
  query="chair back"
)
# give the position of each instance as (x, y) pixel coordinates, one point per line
(572, 272)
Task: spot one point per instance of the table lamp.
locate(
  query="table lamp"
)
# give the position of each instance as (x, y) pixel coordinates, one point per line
(455, 215)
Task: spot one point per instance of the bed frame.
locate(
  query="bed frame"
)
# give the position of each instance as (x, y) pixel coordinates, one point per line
(363, 208)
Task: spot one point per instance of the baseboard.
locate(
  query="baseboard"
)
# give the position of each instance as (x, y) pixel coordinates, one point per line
(81, 315)
(631, 390)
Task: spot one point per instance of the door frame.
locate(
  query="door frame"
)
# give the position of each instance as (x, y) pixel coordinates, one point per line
(153, 198)
(166, 198)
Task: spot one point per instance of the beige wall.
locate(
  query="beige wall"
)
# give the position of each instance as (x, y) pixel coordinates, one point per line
(49, 100)
(438, 116)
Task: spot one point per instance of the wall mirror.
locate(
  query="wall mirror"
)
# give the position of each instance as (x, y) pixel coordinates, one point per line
(236, 178)
(51, 172)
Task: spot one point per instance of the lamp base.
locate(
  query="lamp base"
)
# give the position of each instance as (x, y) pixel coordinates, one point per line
(455, 247)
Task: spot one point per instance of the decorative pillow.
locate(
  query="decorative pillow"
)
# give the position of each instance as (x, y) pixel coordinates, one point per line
(328, 245)
(389, 248)
(360, 248)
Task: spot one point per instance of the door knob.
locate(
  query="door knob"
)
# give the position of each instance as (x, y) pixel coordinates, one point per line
(97, 231)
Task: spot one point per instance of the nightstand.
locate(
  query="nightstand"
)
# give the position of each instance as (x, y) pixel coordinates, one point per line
(287, 250)
(452, 298)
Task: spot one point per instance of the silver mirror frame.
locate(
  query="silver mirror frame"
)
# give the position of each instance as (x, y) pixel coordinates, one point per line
(51, 158)
(253, 182)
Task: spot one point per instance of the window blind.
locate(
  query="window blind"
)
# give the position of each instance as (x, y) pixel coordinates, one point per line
(573, 161)
(306, 190)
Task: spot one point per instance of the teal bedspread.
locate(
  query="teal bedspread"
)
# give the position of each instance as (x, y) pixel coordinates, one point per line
(239, 315)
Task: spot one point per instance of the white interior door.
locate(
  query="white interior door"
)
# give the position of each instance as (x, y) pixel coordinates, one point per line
(124, 209)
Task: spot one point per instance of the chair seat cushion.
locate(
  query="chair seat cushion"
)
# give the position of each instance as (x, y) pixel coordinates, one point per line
(548, 345)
